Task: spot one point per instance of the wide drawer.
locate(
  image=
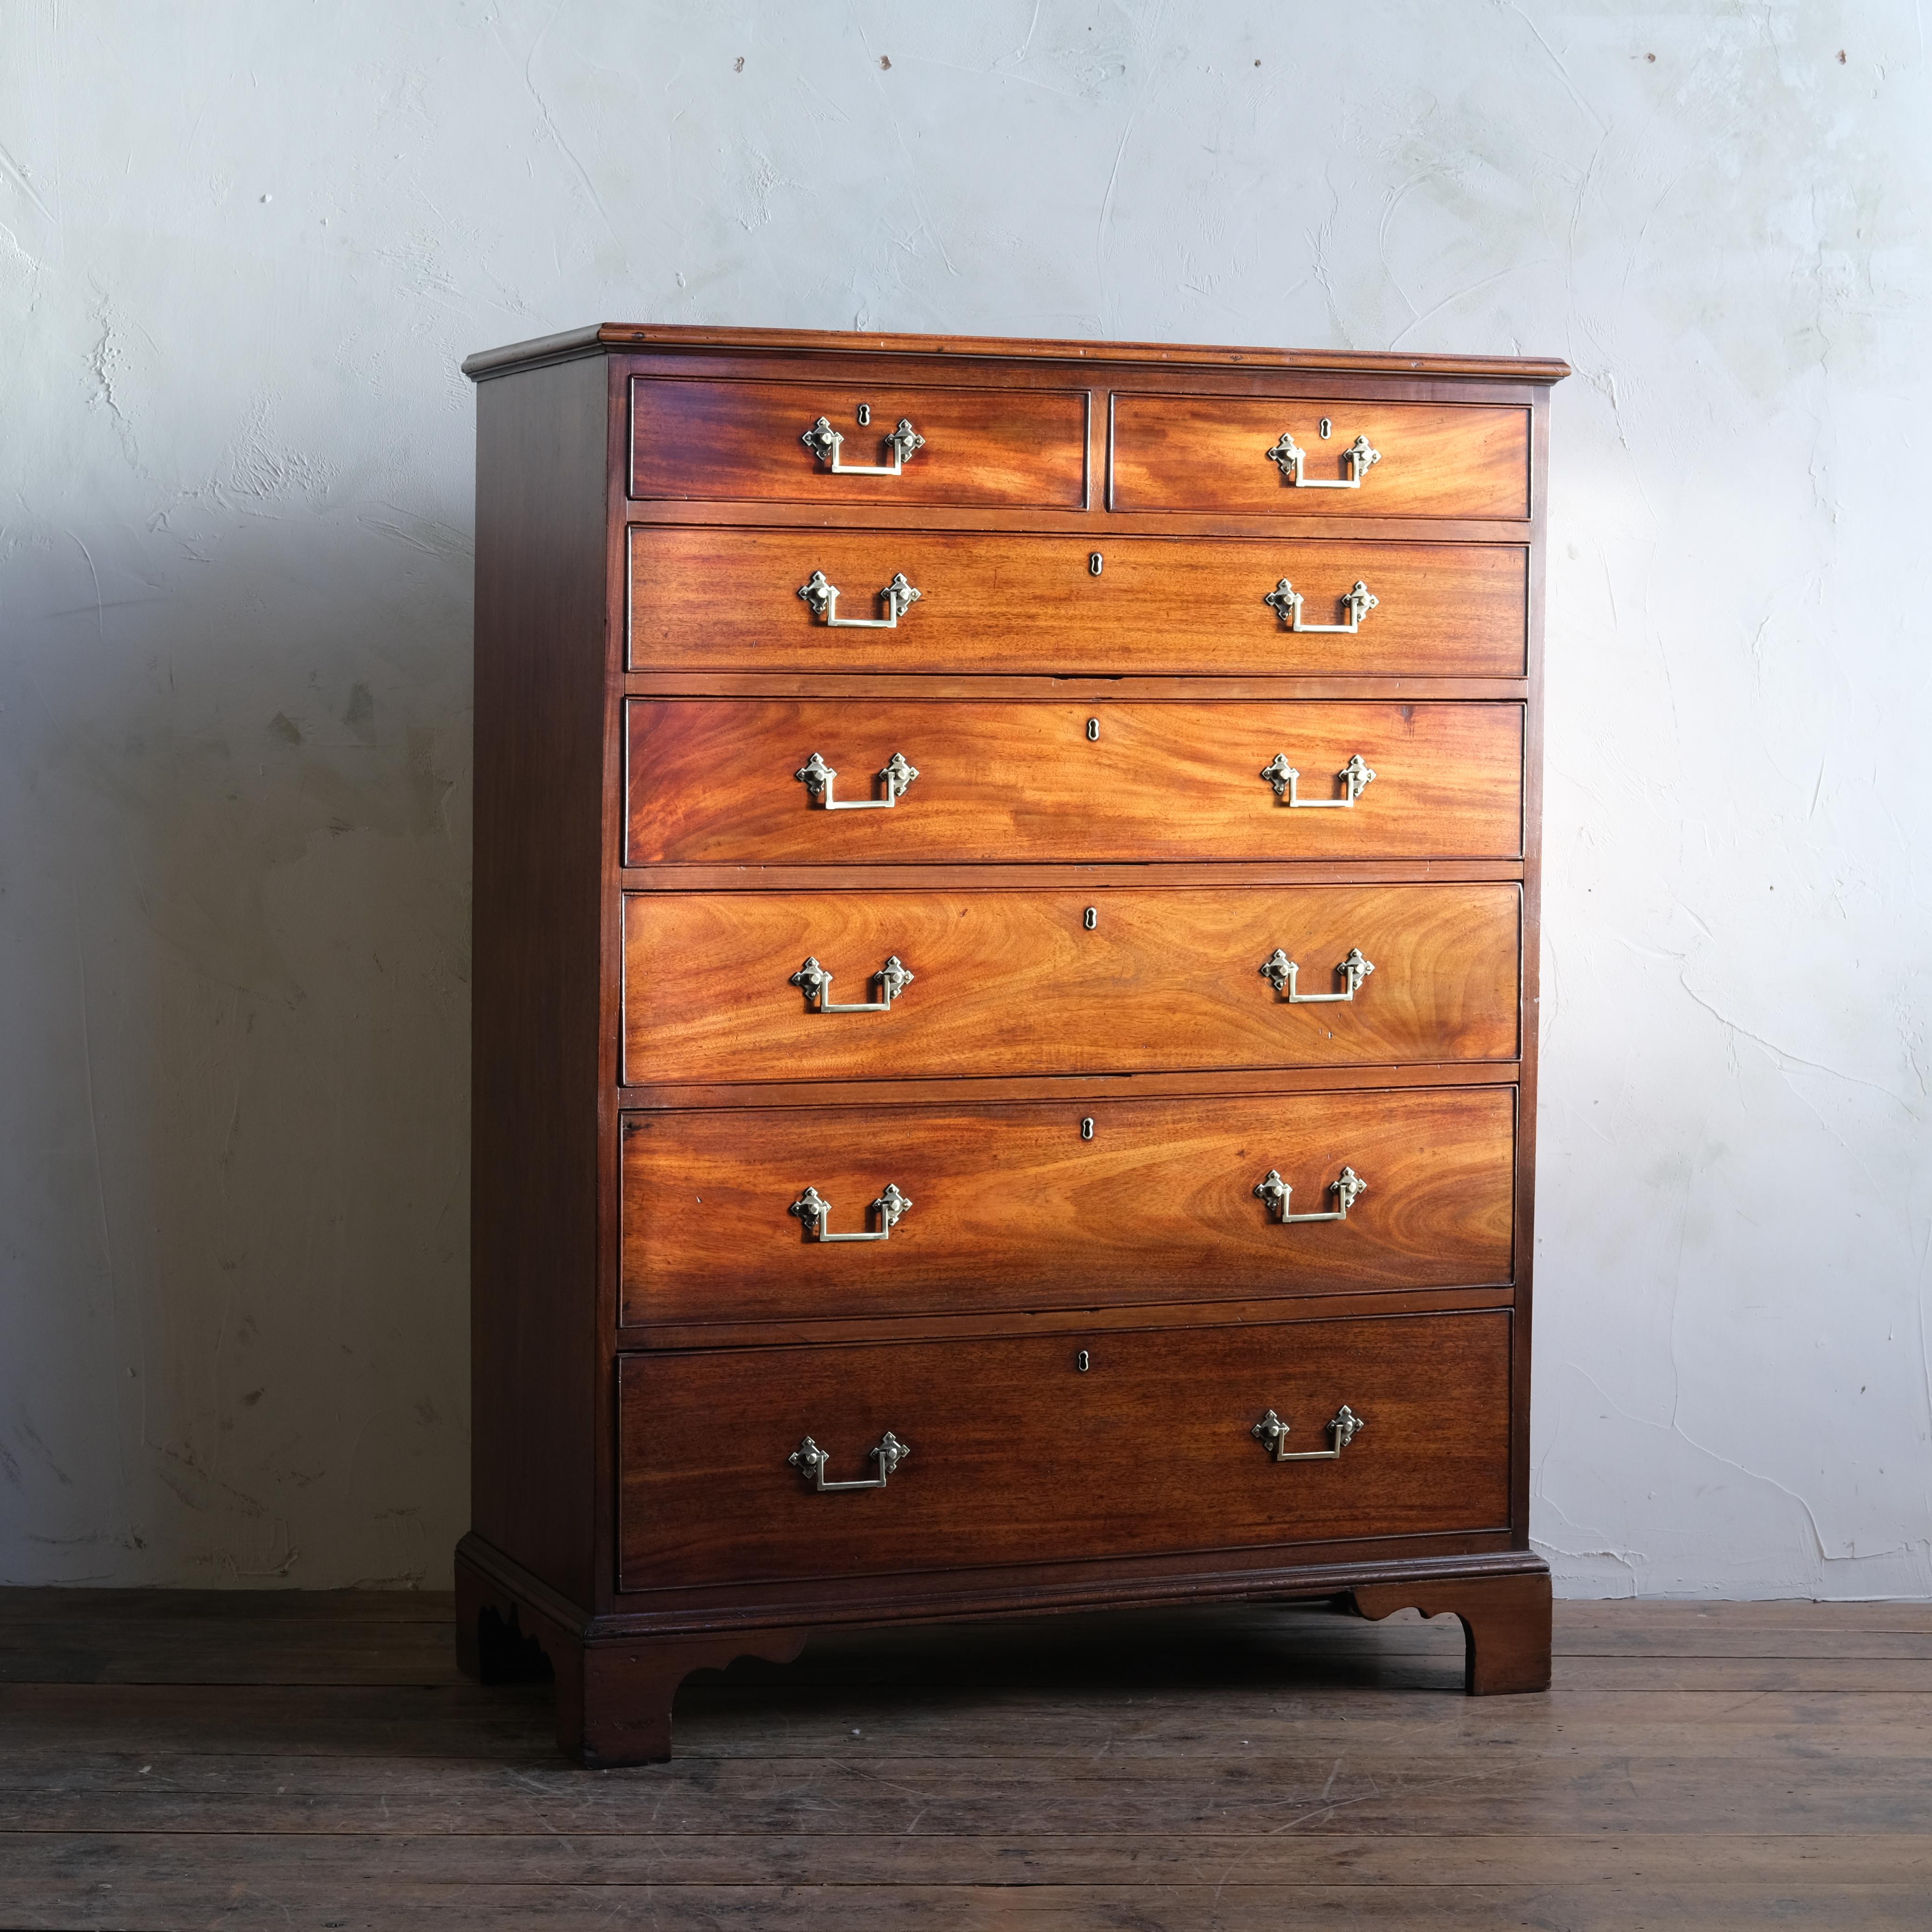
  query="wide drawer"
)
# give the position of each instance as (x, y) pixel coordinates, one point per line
(1218, 453)
(1060, 1204)
(748, 780)
(717, 599)
(720, 440)
(727, 987)
(1018, 1456)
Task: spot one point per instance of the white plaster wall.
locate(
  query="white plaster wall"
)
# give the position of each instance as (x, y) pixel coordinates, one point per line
(242, 249)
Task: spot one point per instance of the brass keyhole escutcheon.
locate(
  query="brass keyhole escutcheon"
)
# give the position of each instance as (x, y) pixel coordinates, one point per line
(865, 415)
(1090, 918)
(1082, 1362)
(1093, 730)
(1096, 563)
(1087, 1128)
(1325, 429)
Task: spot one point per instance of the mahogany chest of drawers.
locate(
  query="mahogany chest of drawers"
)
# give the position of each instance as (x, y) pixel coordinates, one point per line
(1005, 976)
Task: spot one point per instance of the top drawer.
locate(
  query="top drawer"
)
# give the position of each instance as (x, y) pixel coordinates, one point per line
(1237, 453)
(730, 441)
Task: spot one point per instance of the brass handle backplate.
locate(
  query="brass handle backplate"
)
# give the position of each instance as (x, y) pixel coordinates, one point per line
(814, 981)
(1360, 457)
(1282, 971)
(823, 596)
(896, 775)
(824, 442)
(1348, 1187)
(815, 1211)
(1272, 1431)
(1286, 602)
(809, 1460)
(1354, 778)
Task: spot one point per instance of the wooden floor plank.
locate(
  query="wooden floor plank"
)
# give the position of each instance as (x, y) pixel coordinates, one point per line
(1650, 1613)
(52, 1606)
(81, 1645)
(1224, 1907)
(178, 1759)
(1253, 1792)
(183, 1747)
(202, 1608)
(104, 1651)
(1783, 1642)
(1156, 1859)
(46, 1724)
(1669, 1673)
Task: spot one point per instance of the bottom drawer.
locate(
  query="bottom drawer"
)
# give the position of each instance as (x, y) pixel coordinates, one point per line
(1016, 1455)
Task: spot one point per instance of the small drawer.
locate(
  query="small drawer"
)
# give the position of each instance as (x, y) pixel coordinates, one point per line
(1235, 454)
(1013, 1454)
(784, 1213)
(717, 599)
(890, 985)
(718, 441)
(730, 780)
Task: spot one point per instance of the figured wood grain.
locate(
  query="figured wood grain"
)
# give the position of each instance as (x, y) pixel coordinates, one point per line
(703, 597)
(1012, 983)
(1012, 1208)
(711, 781)
(1008, 1439)
(1438, 691)
(741, 439)
(1206, 452)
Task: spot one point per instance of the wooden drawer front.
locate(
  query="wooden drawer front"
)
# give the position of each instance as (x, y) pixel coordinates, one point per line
(1017, 1457)
(1013, 1207)
(720, 441)
(721, 600)
(1211, 453)
(1015, 982)
(711, 781)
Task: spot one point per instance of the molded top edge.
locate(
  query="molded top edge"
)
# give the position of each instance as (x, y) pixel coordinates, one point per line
(610, 335)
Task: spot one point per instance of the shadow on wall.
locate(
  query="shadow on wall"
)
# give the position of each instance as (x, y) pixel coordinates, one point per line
(235, 865)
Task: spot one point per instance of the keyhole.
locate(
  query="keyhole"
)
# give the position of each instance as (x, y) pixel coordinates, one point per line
(1087, 1128)
(1082, 1362)
(1325, 428)
(865, 415)
(1092, 729)
(1096, 563)
(1090, 918)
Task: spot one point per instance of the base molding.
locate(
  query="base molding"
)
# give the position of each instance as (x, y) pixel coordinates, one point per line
(1506, 1624)
(617, 1676)
(613, 1694)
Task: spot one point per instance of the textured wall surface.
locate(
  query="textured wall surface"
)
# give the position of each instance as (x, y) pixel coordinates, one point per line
(242, 249)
